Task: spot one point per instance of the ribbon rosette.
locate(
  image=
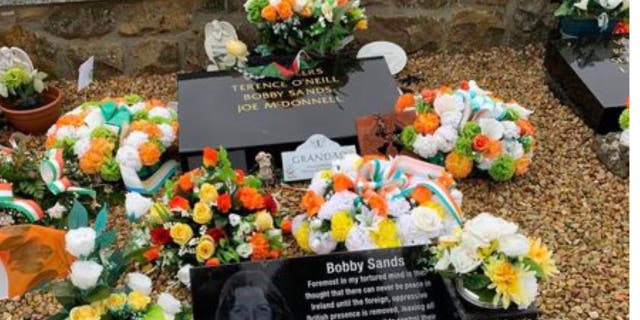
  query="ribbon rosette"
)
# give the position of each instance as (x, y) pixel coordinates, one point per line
(115, 116)
(51, 171)
(29, 208)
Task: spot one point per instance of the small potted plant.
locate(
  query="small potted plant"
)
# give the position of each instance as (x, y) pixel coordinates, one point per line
(588, 18)
(25, 99)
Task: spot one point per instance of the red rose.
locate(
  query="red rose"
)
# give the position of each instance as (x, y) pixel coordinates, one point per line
(216, 234)
(270, 204)
(224, 203)
(179, 202)
(481, 142)
(239, 176)
(160, 236)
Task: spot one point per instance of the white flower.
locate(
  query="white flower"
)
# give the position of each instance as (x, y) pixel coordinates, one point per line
(82, 132)
(299, 5)
(169, 304)
(160, 112)
(610, 4)
(135, 139)
(359, 239)
(408, 233)
(484, 228)
(448, 133)
(398, 207)
(464, 261)
(444, 262)
(52, 130)
(425, 145)
(514, 245)
(244, 250)
(450, 118)
(136, 205)
(128, 156)
(94, 118)
(427, 221)
(234, 219)
(341, 201)
(457, 196)
(183, 275)
(137, 281)
(529, 290)
(491, 127)
(511, 130)
(80, 242)
(348, 165)
(85, 274)
(140, 106)
(81, 147)
(327, 11)
(168, 135)
(512, 148)
(484, 163)
(321, 242)
(582, 5)
(57, 211)
(274, 2)
(447, 103)
(65, 132)
(624, 137)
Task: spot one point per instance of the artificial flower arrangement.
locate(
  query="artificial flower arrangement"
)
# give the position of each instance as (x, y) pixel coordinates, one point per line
(594, 8)
(369, 203)
(90, 293)
(489, 257)
(208, 216)
(624, 125)
(101, 137)
(22, 86)
(469, 128)
(319, 27)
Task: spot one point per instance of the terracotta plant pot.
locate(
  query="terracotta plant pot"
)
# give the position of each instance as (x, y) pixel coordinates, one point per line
(38, 120)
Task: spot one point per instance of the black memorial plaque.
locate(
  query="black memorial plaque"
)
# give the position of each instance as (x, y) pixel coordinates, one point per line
(587, 76)
(247, 116)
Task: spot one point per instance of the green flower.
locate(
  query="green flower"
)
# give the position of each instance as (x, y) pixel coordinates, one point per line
(103, 132)
(511, 115)
(254, 10)
(132, 98)
(408, 136)
(471, 129)
(110, 170)
(624, 119)
(526, 141)
(140, 115)
(503, 169)
(16, 77)
(464, 146)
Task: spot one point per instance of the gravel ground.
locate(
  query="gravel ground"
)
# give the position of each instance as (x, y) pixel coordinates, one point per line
(568, 198)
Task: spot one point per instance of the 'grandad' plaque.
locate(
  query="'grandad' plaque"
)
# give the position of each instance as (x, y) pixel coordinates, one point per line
(248, 116)
(316, 154)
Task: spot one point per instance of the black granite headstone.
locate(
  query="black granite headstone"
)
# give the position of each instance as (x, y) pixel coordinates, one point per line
(586, 75)
(248, 116)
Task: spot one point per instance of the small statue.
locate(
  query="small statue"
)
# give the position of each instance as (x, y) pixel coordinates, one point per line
(9, 57)
(265, 172)
(222, 45)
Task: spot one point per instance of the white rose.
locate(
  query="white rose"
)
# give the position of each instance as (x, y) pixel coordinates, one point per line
(80, 242)
(464, 261)
(234, 219)
(183, 275)
(447, 103)
(244, 250)
(137, 281)
(492, 128)
(427, 221)
(129, 157)
(160, 112)
(85, 274)
(136, 205)
(484, 228)
(169, 304)
(514, 245)
(57, 211)
(168, 135)
(408, 233)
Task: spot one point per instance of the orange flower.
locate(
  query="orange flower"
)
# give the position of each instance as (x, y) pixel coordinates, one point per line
(185, 182)
(74, 120)
(446, 180)
(421, 194)
(284, 10)
(210, 157)
(260, 246)
(464, 85)
(250, 198)
(275, 254)
(522, 165)
(427, 123)
(405, 101)
(458, 165)
(149, 154)
(152, 254)
(429, 95)
(342, 2)
(213, 262)
(362, 25)
(102, 146)
(481, 142)
(179, 202)
(239, 176)
(147, 127)
(526, 128)
(51, 142)
(377, 202)
(91, 162)
(341, 182)
(154, 103)
(285, 225)
(311, 203)
(493, 150)
(269, 13)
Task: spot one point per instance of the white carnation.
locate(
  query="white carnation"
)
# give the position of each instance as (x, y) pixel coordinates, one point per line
(512, 148)
(94, 118)
(425, 145)
(341, 201)
(81, 147)
(399, 206)
(169, 304)
(136, 205)
(484, 163)
(321, 242)
(136, 138)
(448, 133)
(80, 242)
(183, 275)
(65, 132)
(140, 106)
(137, 281)
(447, 103)
(319, 183)
(129, 157)
(85, 274)
(160, 112)
(451, 118)
(168, 135)
(359, 239)
(511, 130)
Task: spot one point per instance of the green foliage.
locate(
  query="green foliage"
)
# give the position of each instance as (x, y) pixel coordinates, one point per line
(511, 115)
(464, 146)
(78, 216)
(438, 159)
(533, 266)
(470, 129)
(254, 10)
(624, 119)
(110, 170)
(527, 142)
(408, 136)
(132, 98)
(503, 169)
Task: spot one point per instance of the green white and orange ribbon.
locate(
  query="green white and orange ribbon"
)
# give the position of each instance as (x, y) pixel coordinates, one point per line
(150, 186)
(302, 61)
(28, 208)
(52, 173)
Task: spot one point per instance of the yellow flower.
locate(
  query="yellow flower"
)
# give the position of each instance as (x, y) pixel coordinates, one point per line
(205, 248)
(341, 224)
(202, 213)
(436, 207)
(264, 221)
(362, 25)
(237, 48)
(100, 306)
(208, 193)
(539, 253)
(484, 252)
(302, 237)
(326, 174)
(159, 212)
(116, 301)
(181, 233)
(138, 301)
(84, 313)
(452, 240)
(511, 282)
(386, 235)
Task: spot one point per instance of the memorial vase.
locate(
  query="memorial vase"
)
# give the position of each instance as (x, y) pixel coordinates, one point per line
(35, 120)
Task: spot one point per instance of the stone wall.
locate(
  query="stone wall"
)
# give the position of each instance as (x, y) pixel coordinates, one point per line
(156, 36)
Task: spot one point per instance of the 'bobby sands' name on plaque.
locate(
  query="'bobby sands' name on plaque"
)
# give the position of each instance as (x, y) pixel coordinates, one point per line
(312, 88)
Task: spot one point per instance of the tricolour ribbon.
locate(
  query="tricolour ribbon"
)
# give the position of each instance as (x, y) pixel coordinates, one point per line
(52, 170)
(150, 186)
(115, 116)
(28, 208)
(302, 61)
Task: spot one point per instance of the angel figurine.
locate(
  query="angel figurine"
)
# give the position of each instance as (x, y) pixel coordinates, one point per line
(9, 57)
(222, 46)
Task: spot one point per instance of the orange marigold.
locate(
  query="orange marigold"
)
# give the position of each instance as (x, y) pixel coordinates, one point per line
(260, 246)
(149, 153)
(427, 123)
(91, 162)
(102, 146)
(458, 165)
(522, 165)
(311, 203)
(526, 127)
(405, 101)
(341, 182)
(421, 194)
(74, 120)
(250, 198)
